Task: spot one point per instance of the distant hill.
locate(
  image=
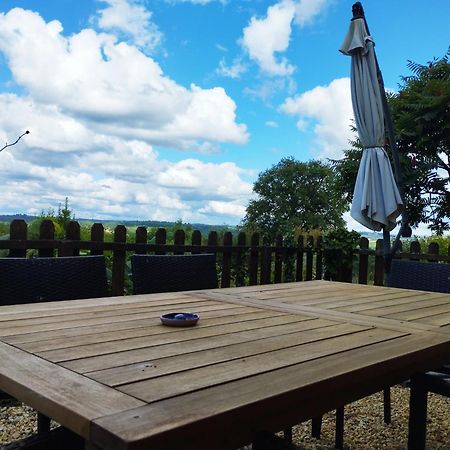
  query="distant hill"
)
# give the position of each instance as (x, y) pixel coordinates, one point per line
(203, 228)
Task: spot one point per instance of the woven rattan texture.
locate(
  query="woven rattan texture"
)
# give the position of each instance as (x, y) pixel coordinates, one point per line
(171, 273)
(25, 280)
(421, 276)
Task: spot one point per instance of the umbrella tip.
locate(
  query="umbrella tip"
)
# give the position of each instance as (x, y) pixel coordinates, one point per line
(357, 10)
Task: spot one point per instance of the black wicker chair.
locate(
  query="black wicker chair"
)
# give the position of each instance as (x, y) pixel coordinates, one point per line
(434, 277)
(172, 273)
(419, 276)
(24, 280)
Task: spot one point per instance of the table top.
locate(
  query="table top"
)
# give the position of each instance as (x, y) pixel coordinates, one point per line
(260, 358)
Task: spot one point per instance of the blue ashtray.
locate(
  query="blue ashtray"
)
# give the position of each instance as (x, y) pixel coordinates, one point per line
(179, 319)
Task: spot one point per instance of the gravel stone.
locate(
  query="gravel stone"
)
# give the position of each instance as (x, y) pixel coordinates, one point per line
(364, 426)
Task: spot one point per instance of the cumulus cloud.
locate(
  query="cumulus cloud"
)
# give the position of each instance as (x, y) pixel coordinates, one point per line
(132, 19)
(262, 38)
(329, 109)
(113, 85)
(266, 37)
(96, 106)
(307, 10)
(231, 209)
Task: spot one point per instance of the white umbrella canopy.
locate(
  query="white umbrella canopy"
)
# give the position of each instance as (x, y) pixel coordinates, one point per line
(376, 199)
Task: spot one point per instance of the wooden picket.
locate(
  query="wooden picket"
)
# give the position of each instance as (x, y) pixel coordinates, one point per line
(242, 260)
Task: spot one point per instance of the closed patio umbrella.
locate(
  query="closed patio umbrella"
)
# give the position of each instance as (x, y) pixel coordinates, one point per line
(377, 201)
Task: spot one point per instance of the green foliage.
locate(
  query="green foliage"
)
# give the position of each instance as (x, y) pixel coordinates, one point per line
(59, 219)
(4, 228)
(339, 247)
(294, 195)
(421, 115)
(442, 241)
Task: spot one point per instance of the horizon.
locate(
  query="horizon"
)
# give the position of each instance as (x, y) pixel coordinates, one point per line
(169, 109)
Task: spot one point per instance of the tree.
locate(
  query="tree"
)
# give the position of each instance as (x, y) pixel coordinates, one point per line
(421, 115)
(59, 219)
(295, 195)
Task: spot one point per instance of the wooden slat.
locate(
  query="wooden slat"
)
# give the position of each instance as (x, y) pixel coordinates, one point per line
(233, 411)
(69, 398)
(386, 301)
(38, 345)
(421, 307)
(437, 320)
(33, 327)
(63, 306)
(176, 335)
(231, 313)
(316, 344)
(186, 345)
(187, 357)
(330, 314)
(421, 313)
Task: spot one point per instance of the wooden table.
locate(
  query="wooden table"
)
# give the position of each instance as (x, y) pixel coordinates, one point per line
(260, 358)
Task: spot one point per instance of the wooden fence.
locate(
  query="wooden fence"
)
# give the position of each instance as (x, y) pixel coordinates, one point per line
(242, 260)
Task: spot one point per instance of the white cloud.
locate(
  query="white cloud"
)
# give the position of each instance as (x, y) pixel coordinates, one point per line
(330, 108)
(264, 37)
(229, 209)
(95, 108)
(307, 10)
(132, 19)
(113, 86)
(271, 124)
(233, 71)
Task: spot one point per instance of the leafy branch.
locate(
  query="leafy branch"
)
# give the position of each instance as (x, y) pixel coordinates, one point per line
(14, 143)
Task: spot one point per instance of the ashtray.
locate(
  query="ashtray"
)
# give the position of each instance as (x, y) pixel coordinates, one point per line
(179, 319)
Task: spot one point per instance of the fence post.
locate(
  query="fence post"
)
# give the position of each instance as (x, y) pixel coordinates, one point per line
(97, 235)
(18, 232)
(433, 252)
(226, 260)
(299, 265)
(253, 260)
(363, 260)
(378, 278)
(319, 258)
(196, 240)
(415, 250)
(72, 234)
(141, 238)
(278, 259)
(160, 239)
(46, 232)
(239, 264)
(266, 264)
(309, 257)
(179, 239)
(118, 266)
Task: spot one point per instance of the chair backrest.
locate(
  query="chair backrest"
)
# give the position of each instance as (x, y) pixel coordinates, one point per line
(25, 280)
(421, 276)
(171, 273)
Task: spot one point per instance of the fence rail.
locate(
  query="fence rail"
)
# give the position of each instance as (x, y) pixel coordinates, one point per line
(242, 260)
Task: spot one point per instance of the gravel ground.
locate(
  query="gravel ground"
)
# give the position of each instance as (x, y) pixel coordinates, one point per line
(364, 427)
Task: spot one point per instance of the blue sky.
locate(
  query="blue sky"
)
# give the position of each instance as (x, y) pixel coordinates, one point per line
(168, 109)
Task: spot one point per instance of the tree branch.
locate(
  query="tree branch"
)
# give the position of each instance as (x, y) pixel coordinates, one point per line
(14, 143)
